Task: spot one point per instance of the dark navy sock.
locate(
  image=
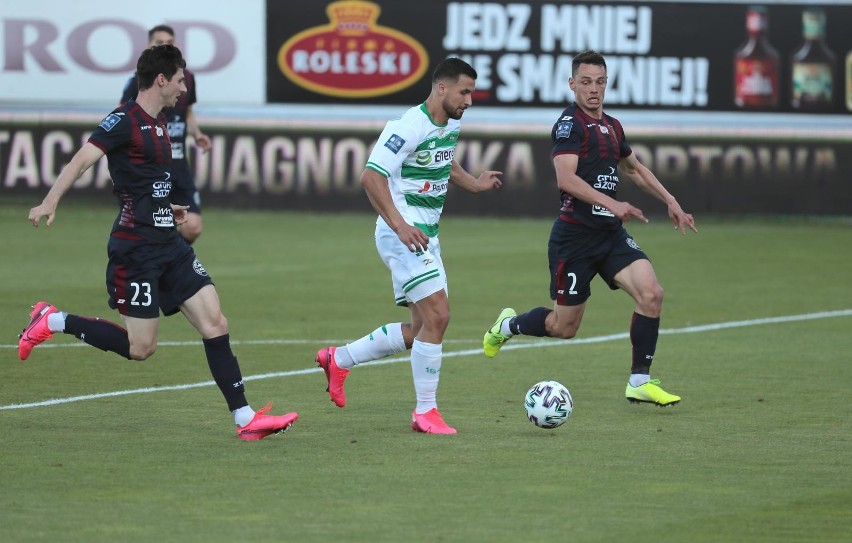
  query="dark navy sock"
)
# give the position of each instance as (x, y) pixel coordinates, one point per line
(644, 332)
(530, 323)
(226, 370)
(105, 335)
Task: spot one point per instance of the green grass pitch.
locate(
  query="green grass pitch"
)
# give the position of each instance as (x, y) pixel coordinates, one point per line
(757, 451)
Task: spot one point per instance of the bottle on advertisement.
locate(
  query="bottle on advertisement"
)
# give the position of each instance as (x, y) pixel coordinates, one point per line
(756, 65)
(812, 66)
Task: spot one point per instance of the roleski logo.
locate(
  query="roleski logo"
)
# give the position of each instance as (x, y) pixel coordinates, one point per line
(352, 56)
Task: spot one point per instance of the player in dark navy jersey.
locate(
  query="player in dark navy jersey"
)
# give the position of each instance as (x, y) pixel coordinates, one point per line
(599, 145)
(151, 268)
(182, 122)
(590, 153)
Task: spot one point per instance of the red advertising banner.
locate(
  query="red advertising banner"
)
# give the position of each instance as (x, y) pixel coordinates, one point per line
(683, 56)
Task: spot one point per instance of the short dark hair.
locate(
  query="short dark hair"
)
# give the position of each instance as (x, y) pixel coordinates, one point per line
(587, 57)
(160, 59)
(161, 28)
(452, 68)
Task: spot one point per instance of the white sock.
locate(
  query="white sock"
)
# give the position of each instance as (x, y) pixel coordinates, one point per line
(243, 415)
(426, 369)
(342, 358)
(638, 379)
(381, 342)
(504, 327)
(56, 321)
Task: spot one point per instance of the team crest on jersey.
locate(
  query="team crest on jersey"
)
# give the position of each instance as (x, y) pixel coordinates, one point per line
(199, 269)
(563, 128)
(110, 121)
(395, 143)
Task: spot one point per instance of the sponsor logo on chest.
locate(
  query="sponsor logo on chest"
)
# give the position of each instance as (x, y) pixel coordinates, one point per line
(439, 156)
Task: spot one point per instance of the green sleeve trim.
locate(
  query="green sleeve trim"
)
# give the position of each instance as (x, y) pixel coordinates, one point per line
(375, 167)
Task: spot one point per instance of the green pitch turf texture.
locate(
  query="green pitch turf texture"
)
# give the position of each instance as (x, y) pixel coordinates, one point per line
(759, 450)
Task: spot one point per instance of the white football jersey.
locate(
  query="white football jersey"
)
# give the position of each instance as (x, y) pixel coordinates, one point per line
(416, 155)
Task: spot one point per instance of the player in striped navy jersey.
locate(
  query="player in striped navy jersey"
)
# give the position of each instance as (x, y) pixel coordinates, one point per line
(150, 268)
(182, 122)
(588, 238)
(406, 179)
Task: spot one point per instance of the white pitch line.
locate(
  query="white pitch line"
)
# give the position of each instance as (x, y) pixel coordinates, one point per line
(451, 354)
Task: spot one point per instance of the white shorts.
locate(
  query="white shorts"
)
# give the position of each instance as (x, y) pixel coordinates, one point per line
(414, 275)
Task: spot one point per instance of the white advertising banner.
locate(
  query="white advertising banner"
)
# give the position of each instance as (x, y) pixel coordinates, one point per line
(62, 52)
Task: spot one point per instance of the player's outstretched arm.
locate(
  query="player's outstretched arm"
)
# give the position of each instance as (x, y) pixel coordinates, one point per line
(202, 140)
(80, 162)
(487, 180)
(647, 181)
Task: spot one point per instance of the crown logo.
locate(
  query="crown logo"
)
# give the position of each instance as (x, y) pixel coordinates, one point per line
(353, 17)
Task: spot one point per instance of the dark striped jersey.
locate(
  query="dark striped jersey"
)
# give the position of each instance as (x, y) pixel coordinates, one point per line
(176, 115)
(599, 144)
(139, 156)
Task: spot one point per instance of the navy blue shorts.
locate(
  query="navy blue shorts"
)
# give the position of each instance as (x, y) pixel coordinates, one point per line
(577, 253)
(143, 278)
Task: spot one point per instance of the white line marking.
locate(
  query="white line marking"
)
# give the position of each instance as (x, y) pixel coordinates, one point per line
(451, 354)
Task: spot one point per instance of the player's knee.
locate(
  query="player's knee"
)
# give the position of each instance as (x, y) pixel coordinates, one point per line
(437, 325)
(651, 300)
(218, 326)
(438, 321)
(564, 328)
(443, 318)
(565, 332)
(142, 351)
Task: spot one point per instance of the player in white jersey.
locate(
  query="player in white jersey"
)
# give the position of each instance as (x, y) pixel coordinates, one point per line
(406, 180)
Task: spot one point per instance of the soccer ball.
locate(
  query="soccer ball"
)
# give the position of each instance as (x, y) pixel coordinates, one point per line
(548, 404)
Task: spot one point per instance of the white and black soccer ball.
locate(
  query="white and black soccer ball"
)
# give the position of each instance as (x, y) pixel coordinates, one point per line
(548, 404)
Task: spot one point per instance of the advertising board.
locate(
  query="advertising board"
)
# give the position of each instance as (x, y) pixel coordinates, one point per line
(713, 56)
(82, 52)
